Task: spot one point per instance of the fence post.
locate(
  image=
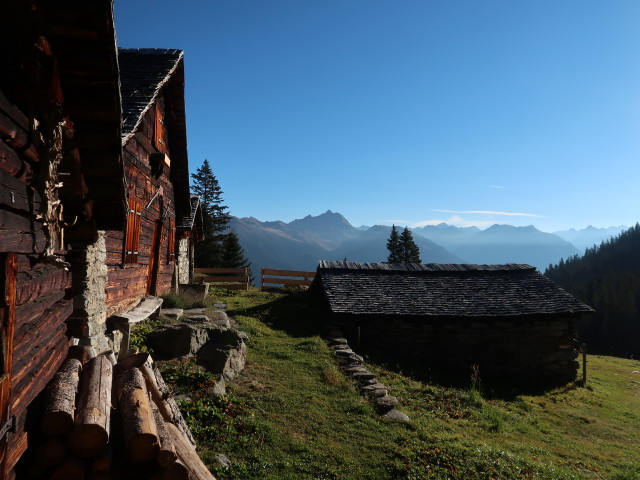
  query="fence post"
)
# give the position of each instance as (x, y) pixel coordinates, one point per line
(246, 278)
(261, 279)
(584, 364)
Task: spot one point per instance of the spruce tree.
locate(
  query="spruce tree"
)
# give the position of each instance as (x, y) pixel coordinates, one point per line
(410, 251)
(395, 247)
(215, 218)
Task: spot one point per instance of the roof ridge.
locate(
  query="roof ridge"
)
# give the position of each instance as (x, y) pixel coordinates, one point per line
(423, 267)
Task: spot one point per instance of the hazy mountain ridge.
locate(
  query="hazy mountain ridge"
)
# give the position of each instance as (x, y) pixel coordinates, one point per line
(301, 243)
(588, 237)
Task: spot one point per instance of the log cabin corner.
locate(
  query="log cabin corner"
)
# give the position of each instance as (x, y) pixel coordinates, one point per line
(93, 174)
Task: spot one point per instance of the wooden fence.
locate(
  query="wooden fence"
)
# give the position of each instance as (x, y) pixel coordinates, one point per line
(268, 278)
(228, 278)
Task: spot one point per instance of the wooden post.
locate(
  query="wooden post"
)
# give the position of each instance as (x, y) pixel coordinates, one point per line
(584, 364)
(261, 279)
(246, 278)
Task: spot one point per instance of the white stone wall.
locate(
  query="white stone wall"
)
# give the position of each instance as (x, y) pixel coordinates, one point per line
(183, 261)
(92, 301)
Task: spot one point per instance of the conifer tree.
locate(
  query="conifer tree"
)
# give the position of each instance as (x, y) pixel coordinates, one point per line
(395, 247)
(410, 251)
(215, 218)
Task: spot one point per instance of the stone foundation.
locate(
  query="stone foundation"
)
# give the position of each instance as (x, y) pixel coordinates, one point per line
(183, 262)
(90, 280)
(531, 347)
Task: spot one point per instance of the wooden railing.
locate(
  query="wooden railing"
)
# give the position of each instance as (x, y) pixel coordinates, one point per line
(227, 278)
(268, 278)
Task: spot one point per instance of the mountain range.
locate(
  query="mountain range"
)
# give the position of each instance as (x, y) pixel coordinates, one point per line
(300, 244)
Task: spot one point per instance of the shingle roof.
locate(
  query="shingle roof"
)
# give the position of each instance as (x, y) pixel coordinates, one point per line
(143, 72)
(447, 290)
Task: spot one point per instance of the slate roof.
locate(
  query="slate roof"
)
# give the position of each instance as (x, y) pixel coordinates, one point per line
(189, 220)
(143, 72)
(442, 290)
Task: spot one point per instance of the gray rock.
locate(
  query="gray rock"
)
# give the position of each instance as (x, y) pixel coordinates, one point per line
(194, 311)
(182, 398)
(340, 347)
(220, 318)
(222, 460)
(224, 353)
(196, 319)
(343, 353)
(178, 340)
(386, 403)
(377, 392)
(172, 313)
(221, 306)
(220, 388)
(356, 369)
(338, 341)
(368, 382)
(363, 376)
(394, 414)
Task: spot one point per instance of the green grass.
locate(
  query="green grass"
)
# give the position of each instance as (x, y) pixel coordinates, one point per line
(294, 415)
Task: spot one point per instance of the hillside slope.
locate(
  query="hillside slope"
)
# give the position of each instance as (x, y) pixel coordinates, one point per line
(294, 415)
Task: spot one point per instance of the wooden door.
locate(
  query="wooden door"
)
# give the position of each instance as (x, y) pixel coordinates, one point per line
(8, 270)
(154, 259)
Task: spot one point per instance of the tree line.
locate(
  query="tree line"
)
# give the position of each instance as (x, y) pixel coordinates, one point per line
(607, 277)
(221, 247)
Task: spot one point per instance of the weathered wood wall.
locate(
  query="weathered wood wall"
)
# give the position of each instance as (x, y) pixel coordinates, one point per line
(40, 306)
(128, 283)
(531, 347)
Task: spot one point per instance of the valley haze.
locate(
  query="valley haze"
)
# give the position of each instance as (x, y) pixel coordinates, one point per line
(301, 243)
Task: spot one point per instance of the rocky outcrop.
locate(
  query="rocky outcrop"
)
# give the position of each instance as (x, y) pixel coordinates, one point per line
(218, 347)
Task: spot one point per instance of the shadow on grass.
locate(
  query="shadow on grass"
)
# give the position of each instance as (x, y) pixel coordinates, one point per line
(292, 314)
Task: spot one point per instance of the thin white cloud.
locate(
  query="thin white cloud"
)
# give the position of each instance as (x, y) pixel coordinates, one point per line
(499, 187)
(454, 220)
(490, 212)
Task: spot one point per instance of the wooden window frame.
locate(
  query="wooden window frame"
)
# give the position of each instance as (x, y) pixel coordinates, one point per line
(132, 232)
(159, 129)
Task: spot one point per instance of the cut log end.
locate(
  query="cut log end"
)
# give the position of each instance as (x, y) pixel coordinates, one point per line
(57, 424)
(143, 447)
(88, 440)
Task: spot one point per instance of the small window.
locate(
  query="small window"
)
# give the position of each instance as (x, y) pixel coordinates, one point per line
(132, 234)
(160, 131)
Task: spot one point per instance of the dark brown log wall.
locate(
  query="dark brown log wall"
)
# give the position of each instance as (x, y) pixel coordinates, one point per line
(127, 284)
(39, 341)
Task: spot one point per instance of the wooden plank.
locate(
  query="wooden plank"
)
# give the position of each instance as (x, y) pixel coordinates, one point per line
(13, 112)
(40, 281)
(9, 266)
(229, 279)
(31, 310)
(229, 286)
(220, 270)
(286, 281)
(287, 273)
(18, 241)
(17, 195)
(44, 366)
(40, 328)
(11, 163)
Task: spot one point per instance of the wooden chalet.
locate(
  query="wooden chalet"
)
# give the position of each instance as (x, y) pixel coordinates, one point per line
(93, 174)
(504, 318)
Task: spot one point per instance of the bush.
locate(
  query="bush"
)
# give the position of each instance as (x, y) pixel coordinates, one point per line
(172, 300)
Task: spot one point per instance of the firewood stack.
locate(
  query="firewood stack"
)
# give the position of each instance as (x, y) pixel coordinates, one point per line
(109, 421)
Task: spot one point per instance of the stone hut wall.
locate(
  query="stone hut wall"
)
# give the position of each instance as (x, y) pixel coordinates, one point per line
(535, 347)
(183, 261)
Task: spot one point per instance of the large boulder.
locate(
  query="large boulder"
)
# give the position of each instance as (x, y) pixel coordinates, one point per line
(219, 349)
(225, 353)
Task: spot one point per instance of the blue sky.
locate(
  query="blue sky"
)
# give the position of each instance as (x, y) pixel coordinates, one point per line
(410, 111)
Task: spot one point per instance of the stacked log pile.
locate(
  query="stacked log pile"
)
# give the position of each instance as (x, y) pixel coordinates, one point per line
(102, 420)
